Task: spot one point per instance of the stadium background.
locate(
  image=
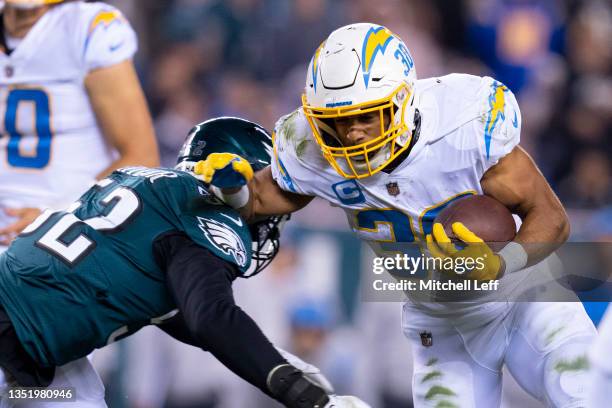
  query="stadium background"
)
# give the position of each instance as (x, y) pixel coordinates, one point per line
(205, 58)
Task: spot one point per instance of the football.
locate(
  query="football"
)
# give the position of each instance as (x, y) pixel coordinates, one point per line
(484, 216)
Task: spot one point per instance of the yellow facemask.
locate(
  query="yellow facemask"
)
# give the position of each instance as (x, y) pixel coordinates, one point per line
(368, 158)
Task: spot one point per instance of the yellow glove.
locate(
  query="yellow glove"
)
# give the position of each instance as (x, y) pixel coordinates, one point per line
(224, 170)
(488, 264)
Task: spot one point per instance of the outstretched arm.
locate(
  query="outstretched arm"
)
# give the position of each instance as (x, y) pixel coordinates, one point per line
(201, 285)
(267, 198)
(253, 195)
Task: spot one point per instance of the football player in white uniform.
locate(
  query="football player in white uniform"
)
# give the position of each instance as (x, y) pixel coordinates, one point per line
(600, 380)
(71, 105)
(392, 152)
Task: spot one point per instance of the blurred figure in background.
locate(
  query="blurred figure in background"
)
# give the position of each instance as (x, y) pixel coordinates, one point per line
(72, 104)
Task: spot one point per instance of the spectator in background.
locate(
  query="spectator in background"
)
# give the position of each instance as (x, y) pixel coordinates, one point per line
(513, 37)
(185, 107)
(313, 334)
(590, 183)
(582, 115)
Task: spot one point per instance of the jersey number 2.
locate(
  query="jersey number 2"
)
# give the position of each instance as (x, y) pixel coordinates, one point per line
(57, 241)
(42, 114)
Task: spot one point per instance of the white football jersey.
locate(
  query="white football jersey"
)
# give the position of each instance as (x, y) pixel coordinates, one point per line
(467, 124)
(50, 145)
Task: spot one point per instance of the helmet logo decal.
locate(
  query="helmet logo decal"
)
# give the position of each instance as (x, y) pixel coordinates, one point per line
(199, 149)
(497, 102)
(106, 18)
(315, 65)
(404, 56)
(376, 40)
(335, 104)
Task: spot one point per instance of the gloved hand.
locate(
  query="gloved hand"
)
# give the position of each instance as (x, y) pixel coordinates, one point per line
(345, 401)
(311, 372)
(440, 246)
(224, 170)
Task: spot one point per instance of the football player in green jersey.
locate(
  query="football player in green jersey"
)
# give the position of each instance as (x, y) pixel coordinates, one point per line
(147, 246)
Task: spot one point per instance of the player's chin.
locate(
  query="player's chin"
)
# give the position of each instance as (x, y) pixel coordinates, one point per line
(363, 159)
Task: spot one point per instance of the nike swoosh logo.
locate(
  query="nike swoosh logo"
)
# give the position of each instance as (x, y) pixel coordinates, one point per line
(236, 221)
(515, 120)
(115, 47)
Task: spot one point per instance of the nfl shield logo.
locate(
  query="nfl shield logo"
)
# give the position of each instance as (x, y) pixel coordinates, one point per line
(426, 339)
(393, 189)
(9, 71)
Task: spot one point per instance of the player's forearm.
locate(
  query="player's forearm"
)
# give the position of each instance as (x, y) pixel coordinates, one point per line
(544, 229)
(263, 197)
(201, 283)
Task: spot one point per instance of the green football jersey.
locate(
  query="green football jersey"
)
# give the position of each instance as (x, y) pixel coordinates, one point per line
(78, 279)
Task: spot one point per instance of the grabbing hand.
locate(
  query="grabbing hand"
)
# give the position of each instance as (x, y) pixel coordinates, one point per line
(224, 170)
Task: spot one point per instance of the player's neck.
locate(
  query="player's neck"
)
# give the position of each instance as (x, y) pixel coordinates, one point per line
(18, 22)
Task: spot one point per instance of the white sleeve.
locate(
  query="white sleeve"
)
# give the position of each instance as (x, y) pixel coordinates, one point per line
(501, 125)
(284, 160)
(109, 38)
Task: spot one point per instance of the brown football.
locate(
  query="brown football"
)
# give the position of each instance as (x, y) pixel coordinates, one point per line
(484, 216)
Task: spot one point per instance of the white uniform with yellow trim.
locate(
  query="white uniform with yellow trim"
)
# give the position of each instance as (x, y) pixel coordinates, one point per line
(468, 124)
(51, 148)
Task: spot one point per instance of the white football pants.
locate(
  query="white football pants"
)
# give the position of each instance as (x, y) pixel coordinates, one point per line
(458, 359)
(599, 393)
(78, 374)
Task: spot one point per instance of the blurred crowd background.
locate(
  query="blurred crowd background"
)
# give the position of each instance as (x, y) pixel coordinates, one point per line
(204, 58)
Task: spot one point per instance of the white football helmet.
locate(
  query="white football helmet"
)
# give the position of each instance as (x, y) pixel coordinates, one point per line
(361, 68)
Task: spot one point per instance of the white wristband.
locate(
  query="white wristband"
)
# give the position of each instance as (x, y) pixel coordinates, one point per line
(514, 256)
(235, 200)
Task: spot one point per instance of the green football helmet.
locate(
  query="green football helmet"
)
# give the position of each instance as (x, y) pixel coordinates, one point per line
(252, 142)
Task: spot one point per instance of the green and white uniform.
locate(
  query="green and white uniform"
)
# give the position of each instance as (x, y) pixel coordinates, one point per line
(78, 279)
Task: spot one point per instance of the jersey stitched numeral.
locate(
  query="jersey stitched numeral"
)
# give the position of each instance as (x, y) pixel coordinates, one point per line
(42, 123)
(388, 225)
(125, 205)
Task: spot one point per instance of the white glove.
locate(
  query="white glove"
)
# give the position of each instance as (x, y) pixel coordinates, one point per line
(311, 372)
(345, 401)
